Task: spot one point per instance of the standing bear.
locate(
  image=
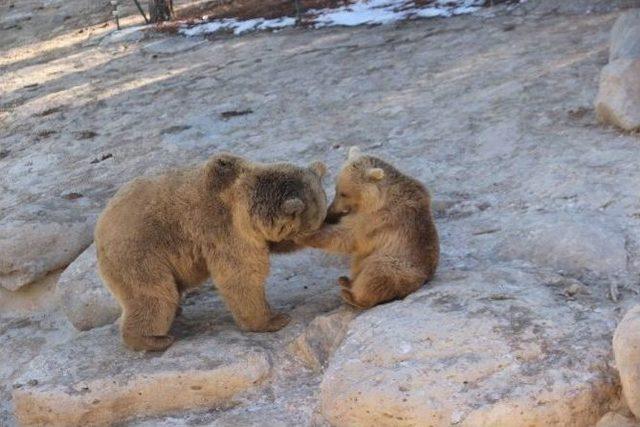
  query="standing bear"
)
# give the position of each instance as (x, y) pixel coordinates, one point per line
(160, 236)
(385, 224)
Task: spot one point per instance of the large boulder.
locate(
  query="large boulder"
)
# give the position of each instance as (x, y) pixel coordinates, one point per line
(31, 249)
(94, 380)
(626, 347)
(84, 298)
(492, 347)
(625, 36)
(618, 100)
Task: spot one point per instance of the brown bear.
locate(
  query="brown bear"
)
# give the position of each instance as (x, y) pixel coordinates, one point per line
(160, 236)
(385, 223)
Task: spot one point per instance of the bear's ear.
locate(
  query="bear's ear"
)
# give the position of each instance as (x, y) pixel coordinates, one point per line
(318, 168)
(223, 170)
(227, 161)
(375, 174)
(293, 207)
(354, 153)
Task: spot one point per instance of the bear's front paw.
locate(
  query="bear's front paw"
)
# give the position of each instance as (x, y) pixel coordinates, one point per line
(344, 282)
(148, 342)
(278, 321)
(275, 322)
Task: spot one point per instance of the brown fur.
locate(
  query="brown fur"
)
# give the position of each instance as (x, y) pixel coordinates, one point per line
(159, 236)
(386, 226)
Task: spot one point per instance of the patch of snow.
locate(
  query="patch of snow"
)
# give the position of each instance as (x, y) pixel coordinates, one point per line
(269, 24)
(362, 12)
(238, 27)
(370, 12)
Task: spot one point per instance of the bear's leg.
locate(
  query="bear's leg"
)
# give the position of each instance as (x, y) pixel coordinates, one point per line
(382, 279)
(247, 302)
(147, 317)
(366, 291)
(241, 284)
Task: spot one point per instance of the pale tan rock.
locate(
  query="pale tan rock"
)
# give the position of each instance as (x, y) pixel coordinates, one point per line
(625, 36)
(84, 298)
(454, 353)
(618, 100)
(613, 419)
(94, 380)
(575, 244)
(626, 347)
(37, 297)
(32, 249)
(321, 338)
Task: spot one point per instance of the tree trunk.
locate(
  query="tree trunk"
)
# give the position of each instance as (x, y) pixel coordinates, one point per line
(160, 10)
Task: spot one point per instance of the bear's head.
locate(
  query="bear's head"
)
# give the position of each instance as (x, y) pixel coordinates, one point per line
(360, 185)
(287, 201)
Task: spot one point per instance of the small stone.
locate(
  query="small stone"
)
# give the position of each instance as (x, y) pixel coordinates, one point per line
(85, 134)
(72, 196)
(573, 289)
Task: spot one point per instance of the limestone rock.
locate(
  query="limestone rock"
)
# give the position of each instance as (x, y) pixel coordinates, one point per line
(612, 419)
(94, 380)
(38, 297)
(625, 36)
(85, 300)
(31, 249)
(626, 347)
(321, 338)
(473, 349)
(618, 100)
(575, 244)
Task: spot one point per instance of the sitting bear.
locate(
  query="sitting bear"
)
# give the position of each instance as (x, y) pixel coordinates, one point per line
(385, 223)
(159, 236)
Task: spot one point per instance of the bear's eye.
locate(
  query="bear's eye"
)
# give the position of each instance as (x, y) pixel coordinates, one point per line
(343, 194)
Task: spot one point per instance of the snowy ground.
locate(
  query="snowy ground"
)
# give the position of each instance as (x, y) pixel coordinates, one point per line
(361, 12)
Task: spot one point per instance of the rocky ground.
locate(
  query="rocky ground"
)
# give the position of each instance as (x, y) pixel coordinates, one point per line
(536, 203)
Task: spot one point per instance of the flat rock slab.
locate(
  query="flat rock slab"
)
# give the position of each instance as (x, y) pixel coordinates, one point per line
(94, 380)
(575, 244)
(486, 348)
